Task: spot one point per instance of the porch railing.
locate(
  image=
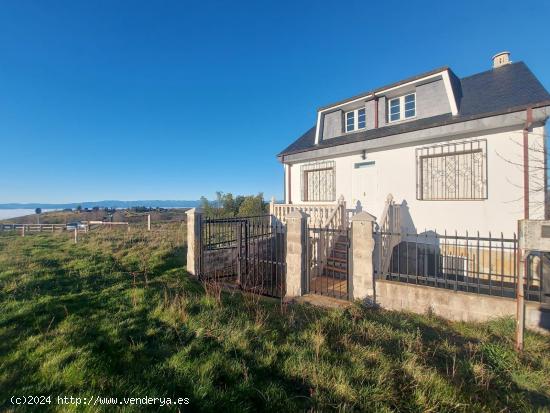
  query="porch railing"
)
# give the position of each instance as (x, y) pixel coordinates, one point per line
(319, 215)
(389, 232)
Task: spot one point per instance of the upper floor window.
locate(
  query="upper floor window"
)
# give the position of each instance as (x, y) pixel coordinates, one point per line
(403, 107)
(355, 119)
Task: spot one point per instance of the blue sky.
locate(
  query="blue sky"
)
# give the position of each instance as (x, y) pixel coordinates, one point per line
(174, 100)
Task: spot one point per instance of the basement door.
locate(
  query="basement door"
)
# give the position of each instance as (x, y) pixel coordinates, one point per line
(364, 185)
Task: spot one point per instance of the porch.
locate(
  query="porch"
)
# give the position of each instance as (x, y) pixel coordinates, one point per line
(325, 253)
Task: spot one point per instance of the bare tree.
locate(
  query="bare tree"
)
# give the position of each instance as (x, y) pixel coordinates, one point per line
(537, 170)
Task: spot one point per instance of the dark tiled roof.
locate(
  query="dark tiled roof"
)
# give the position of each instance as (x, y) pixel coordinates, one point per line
(304, 142)
(391, 85)
(506, 89)
(500, 89)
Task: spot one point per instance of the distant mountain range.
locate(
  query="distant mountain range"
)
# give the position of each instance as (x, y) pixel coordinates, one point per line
(105, 204)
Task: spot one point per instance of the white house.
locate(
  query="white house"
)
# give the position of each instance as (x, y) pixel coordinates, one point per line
(450, 150)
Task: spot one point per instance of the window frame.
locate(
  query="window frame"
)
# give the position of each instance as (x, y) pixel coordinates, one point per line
(438, 152)
(326, 193)
(355, 113)
(402, 109)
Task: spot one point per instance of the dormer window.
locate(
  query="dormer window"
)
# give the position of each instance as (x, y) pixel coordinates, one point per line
(403, 107)
(355, 119)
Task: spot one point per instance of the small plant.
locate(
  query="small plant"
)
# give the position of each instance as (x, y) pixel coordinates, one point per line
(253, 304)
(213, 290)
(318, 339)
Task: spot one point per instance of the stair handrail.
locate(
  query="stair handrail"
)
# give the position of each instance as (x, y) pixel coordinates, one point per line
(384, 218)
(336, 220)
(390, 225)
(337, 217)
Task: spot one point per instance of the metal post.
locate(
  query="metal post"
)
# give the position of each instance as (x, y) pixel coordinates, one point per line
(520, 309)
(238, 225)
(528, 123)
(520, 312)
(246, 252)
(522, 261)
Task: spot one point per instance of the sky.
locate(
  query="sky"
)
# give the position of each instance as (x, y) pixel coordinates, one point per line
(138, 100)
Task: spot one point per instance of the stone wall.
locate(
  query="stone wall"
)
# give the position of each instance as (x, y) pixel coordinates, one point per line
(456, 305)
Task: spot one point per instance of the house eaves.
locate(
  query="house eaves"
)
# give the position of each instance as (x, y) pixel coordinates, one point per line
(383, 88)
(508, 89)
(443, 126)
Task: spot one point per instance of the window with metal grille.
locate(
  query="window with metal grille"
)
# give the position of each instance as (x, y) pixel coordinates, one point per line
(318, 181)
(456, 171)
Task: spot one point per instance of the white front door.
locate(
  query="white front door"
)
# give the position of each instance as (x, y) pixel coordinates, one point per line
(364, 184)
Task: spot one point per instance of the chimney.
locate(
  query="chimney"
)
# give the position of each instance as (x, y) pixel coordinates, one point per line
(501, 59)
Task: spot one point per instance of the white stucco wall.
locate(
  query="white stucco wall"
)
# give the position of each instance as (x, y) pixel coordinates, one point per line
(395, 172)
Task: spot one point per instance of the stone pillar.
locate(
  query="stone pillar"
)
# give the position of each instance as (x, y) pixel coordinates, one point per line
(296, 232)
(362, 286)
(194, 217)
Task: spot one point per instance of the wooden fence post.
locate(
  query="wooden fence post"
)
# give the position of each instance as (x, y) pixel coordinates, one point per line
(76, 234)
(148, 222)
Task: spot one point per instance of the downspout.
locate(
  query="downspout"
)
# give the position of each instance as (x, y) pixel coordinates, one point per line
(545, 154)
(528, 123)
(284, 179)
(289, 200)
(375, 111)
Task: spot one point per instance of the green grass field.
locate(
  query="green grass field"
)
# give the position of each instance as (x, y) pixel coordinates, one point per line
(117, 316)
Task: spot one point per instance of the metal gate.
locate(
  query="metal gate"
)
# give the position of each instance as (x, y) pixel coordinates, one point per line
(328, 262)
(248, 252)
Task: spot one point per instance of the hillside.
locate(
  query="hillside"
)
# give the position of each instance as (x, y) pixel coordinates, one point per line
(104, 204)
(63, 217)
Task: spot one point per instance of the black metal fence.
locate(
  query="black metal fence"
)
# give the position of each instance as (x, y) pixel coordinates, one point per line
(475, 264)
(248, 252)
(328, 261)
